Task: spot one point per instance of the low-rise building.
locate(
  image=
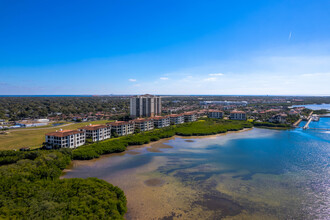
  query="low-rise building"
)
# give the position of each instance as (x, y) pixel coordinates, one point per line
(190, 117)
(65, 139)
(29, 123)
(215, 114)
(122, 128)
(144, 124)
(161, 121)
(279, 118)
(176, 119)
(97, 132)
(237, 115)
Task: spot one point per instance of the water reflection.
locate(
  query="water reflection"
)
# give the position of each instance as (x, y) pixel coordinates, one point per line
(256, 174)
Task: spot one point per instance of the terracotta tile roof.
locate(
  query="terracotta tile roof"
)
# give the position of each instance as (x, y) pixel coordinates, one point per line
(93, 127)
(175, 115)
(233, 112)
(140, 120)
(117, 123)
(189, 113)
(213, 110)
(159, 117)
(64, 133)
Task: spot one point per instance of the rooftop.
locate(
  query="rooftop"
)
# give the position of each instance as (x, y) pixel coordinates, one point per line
(139, 120)
(240, 112)
(160, 117)
(64, 133)
(214, 110)
(93, 127)
(117, 123)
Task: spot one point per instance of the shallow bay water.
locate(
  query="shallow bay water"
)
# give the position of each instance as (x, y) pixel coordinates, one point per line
(253, 174)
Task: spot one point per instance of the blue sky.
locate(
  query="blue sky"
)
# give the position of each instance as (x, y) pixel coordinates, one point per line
(165, 47)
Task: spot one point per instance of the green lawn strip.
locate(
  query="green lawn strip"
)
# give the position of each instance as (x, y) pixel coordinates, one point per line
(34, 138)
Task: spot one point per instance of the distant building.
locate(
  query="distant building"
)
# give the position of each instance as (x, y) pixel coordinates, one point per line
(239, 103)
(97, 132)
(145, 106)
(201, 113)
(161, 121)
(122, 128)
(144, 124)
(215, 114)
(237, 115)
(176, 119)
(279, 118)
(190, 116)
(65, 138)
(27, 123)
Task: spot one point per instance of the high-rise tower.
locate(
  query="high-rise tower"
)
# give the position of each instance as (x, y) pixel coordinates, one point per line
(145, 106)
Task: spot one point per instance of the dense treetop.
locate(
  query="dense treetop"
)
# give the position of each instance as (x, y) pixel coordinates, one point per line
(30, 188)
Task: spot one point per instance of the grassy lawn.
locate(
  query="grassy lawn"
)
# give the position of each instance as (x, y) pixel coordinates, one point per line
(34, 138)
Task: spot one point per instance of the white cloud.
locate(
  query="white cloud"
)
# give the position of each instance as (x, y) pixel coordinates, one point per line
(290, 35)
(164, 78)
(315, 74)
(216, 74)
(211, 79)
(132, 80)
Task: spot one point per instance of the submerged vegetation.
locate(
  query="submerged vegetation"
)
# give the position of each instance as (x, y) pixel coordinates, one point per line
(30, 188)
(198, 128)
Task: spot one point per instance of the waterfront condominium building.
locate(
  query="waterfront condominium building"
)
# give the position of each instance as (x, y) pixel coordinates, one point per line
(144, 124)
(65, 139)
(177, 119)
(122, 128)
(145, 106)
(215, 114)
(190, 116)
(97, 132)
(162, 121)
(237, 115)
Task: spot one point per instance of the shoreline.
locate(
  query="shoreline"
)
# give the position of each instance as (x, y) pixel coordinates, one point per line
(150, 145)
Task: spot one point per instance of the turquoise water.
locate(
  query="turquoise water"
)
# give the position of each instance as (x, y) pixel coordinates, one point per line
(315, 106)
(255, 174)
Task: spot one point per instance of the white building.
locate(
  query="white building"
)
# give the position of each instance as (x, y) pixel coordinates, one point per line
(122, 128)
(97, 132)
(176, 119)
(27, 123)
(190, 116)
(215, 114)
(145, 106)
(65, 139)
(144, 124)
(237, 115)
(161, 121)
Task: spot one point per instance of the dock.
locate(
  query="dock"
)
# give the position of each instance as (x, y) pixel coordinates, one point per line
(309, 119)
(306, 125)
(297, 123)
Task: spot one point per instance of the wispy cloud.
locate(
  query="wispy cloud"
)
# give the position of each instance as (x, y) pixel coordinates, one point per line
(164, 78)
(216, 74)
(290, 35)
(211, 79)
(132, 80)
(315, 74)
